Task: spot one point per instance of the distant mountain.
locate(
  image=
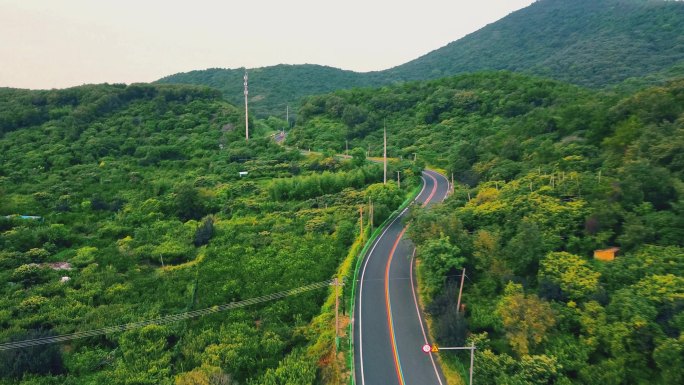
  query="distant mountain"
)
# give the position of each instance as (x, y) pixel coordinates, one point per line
(271, 89)
(593, 43)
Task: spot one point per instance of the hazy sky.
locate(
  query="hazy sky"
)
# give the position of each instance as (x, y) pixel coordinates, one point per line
(61, 43)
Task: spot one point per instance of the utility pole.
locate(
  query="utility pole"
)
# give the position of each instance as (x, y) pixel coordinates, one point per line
(336, 282)
(337, 308)
(246, 109)
(370, 213)
(287, 115)
(472, 362)
(384, 155)
(460, 291)
(346, 147)
(398, 179)
(361, 215)
(452, 183)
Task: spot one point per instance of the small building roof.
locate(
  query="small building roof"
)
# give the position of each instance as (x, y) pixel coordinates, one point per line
(608, 250)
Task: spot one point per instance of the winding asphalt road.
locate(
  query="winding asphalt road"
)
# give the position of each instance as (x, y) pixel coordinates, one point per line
(389, 329)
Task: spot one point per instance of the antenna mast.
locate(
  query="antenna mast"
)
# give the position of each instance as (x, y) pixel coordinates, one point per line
(246, 109)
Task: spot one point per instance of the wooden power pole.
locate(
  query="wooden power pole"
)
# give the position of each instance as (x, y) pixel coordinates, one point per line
(337, 307)
(370, 213)
(460, 291)
(246, 109)
(336, 282)
(384, 155)
(361, 215)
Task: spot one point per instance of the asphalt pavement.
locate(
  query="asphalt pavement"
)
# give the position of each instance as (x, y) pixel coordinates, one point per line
(389, 328)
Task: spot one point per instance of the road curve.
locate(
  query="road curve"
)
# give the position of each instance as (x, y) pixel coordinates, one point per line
(389, 330)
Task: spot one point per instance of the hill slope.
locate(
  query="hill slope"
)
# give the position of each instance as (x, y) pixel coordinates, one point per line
(592, 43)
(271, 89)
(586, 42)
(137, 188)
(547, 173)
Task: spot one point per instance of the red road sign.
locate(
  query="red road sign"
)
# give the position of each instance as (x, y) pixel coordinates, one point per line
(426, 348)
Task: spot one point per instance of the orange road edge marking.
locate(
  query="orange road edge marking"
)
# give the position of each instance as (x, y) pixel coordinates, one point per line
(434, 190)
(388, 306)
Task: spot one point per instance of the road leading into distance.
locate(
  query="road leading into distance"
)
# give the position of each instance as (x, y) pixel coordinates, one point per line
(389, 329)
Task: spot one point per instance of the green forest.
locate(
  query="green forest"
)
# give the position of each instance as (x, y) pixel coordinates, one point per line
(120, 204)
(593, 43)
(272, 89)
(561, 125)
(546, 173)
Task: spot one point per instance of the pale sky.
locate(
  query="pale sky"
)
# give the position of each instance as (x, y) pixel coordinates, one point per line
(62, 43)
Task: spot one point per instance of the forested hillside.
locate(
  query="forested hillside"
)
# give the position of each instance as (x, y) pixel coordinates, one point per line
(272, 89)
(595, 43)
(546, 173)
(587, 42)
(123, 203)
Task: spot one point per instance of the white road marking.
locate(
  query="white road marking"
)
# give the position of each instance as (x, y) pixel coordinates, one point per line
(363, 273)
(420, 319)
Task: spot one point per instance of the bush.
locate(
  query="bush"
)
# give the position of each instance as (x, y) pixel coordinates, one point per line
(45, 359)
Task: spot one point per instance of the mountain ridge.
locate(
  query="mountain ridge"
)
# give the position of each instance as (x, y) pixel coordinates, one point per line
(551, 38)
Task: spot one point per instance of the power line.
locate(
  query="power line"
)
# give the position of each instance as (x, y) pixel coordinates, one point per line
(163, 320)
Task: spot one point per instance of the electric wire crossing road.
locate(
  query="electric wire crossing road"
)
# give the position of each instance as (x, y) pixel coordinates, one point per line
(389, 330)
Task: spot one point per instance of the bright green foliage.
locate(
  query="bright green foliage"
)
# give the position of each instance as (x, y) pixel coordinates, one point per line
(487, 253)
(311, 186)
(492, 368)
(571, 273)
(145, 355)
(137, 188)
(669, 356)
(526, 319)
(295, 369)
(547, 173)
(504, 369)
(438, 258)
(84, 256)
(204, 375)
(661, 288)
(384, 197)
(537, 370)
